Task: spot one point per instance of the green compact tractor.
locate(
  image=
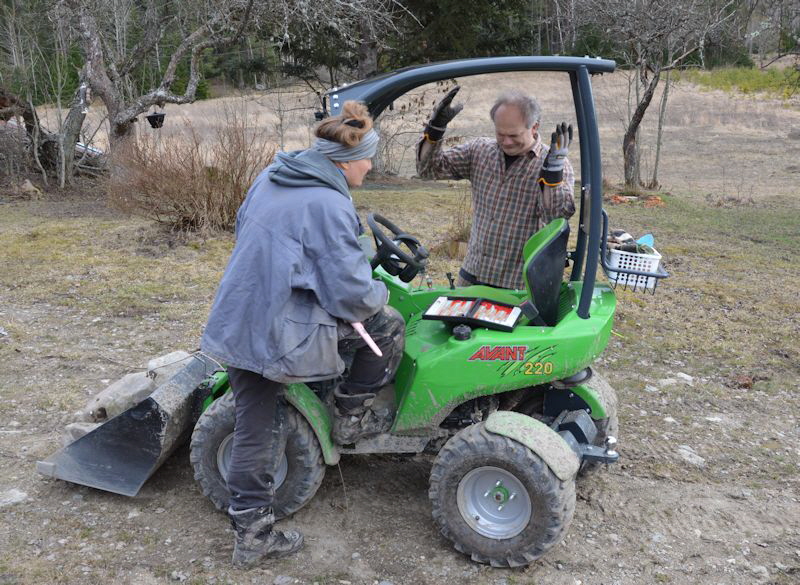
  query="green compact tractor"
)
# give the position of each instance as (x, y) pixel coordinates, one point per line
(496, 382)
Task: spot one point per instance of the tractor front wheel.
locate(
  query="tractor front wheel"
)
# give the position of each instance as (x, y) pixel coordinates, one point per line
(496, 500)
(299, 474)
(607, 427)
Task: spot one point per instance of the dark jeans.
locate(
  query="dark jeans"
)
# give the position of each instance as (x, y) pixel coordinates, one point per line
(259, 437)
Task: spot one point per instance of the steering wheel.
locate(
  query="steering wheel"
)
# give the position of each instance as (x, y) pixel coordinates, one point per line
(389, 254)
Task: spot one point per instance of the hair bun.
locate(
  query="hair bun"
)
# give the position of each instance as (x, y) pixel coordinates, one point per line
(349, 127)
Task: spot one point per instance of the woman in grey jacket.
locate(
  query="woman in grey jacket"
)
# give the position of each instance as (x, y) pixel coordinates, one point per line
(295, 281)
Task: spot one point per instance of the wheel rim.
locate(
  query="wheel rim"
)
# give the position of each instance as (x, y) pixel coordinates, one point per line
(224, 461)
(493, 502)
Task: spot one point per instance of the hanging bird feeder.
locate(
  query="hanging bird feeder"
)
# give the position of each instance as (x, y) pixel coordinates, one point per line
(156, 119)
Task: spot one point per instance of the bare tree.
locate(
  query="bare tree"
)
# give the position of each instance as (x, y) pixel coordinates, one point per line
(104, 28)
(662, 115)
(34, 56)
(654, 37)
(774, 29)
(357, 30)
(554, 25)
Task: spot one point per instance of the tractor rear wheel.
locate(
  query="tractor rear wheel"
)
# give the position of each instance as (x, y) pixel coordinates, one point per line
(496, 500)
(299, 474)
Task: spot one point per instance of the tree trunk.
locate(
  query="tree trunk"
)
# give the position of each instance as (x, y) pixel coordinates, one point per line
(52, 152)
(367, 52)
(629, 146)
(379, 163)
(122, 136)
(662, 114)
(70, 133)
(367, 60)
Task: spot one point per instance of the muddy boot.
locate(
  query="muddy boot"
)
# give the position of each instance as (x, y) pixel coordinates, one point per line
(355, 419)
(256, 539)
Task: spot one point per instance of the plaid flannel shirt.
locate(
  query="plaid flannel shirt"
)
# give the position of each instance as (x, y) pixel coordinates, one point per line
(508, 204)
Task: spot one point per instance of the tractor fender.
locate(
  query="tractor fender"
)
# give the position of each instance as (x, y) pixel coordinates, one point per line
(537, 437)
(318, 416)
(599, 395)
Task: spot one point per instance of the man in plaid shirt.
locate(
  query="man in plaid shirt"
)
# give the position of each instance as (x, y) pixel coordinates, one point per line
(518, 184)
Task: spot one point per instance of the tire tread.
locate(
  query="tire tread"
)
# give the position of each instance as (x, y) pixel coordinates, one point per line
(475, 442)
(220, 416)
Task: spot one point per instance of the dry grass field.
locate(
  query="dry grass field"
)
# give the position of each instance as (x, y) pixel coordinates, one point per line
(706, 369)
(715, 144)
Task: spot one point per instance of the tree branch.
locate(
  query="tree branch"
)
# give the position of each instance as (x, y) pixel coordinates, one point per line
(154, 30)
(196, 43)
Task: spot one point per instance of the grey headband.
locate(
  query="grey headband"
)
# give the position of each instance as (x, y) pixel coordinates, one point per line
(341, 153)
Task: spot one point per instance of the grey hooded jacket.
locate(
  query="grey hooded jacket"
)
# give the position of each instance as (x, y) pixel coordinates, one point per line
(295, 270)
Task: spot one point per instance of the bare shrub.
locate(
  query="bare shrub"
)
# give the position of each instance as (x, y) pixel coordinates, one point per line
(290, 110)
(400, 127)
(456, 237)
(188, 182)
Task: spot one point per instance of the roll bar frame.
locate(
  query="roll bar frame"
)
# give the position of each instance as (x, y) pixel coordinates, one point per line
(380, 91)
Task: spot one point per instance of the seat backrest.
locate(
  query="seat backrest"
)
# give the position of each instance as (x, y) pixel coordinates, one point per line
(546, 256)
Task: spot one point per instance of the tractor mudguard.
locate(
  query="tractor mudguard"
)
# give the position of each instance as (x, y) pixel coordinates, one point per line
(537, 437)
(318, 416)
(598, 395)
(305, 401)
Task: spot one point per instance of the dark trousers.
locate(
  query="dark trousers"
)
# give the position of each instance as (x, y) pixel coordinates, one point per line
(259, 437)
(368, 372)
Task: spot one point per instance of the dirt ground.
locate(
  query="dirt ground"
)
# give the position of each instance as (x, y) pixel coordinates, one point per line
(706, 369)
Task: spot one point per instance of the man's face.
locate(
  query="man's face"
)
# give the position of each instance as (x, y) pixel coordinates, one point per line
(512, 135)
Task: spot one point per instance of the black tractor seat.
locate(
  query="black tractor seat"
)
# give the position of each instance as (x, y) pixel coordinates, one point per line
(546, 251)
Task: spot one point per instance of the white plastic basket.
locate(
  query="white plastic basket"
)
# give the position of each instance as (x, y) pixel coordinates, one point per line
(633, 261)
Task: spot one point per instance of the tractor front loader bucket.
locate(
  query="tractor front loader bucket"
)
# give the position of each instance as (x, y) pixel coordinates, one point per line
(121, 454)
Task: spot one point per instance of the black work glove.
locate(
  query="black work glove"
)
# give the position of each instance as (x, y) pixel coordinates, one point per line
(442, 115)
(553, 166)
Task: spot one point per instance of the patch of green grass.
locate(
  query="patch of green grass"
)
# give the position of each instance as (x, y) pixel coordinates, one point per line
(777, 82)
(726, 309)
(85, 532)
(99, 266)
